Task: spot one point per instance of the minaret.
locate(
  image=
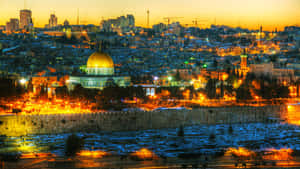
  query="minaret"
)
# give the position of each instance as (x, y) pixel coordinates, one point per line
(244, 59)
(260, 34)
(244, 69)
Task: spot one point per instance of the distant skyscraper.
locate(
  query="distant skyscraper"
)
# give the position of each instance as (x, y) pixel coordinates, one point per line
(25, 19)
(52, 21)
(12, 25)
(66, 23)
(131, 20)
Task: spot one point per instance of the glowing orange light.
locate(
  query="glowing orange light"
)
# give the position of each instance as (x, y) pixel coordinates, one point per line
(94, 154)
(224, 77)
(279, 155)
(36, 155)
(31, 106)
(144, 154)
(292, 116)
(240, 152)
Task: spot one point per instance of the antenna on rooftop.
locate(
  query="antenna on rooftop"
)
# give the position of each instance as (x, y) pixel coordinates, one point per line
(24, 4)
(77, 16)
(148, 17)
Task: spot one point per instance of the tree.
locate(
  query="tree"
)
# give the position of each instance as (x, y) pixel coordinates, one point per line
(282, 92)
(211, 88)
(177, 76)
(243, 93)
(62, 92)
(73, 145)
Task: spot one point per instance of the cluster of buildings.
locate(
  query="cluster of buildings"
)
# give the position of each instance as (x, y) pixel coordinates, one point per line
(24, 23)
(162, 56)
(120, 24)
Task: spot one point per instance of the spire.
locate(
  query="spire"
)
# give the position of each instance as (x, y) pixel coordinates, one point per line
(101, 46)
(77, 16)
(25, 4)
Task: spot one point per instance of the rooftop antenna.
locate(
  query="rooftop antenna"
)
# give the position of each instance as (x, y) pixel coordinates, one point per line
(25, 4)
(77, 16)
(148, 16)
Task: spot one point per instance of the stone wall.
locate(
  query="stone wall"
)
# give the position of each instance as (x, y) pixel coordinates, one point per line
(17, 125)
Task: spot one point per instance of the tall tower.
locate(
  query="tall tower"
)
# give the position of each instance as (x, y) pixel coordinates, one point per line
(260, 35)
(77, 16)
(148, 18)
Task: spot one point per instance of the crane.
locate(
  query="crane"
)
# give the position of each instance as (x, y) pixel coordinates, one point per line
(197, 20)
(168, 19)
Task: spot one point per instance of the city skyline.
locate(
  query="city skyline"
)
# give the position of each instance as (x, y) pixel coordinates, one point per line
(247, 14)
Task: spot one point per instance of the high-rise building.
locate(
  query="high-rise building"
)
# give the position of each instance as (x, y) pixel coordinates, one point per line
(25, 19)
(66, 23)
(131, 20)
(12, 25)
(52, 21)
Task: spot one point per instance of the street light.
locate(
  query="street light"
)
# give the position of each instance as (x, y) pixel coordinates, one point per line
(23, 81)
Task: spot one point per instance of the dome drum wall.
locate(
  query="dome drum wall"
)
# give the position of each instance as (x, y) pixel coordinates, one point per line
(100, 71)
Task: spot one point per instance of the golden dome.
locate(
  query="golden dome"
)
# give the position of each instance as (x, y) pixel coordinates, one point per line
(100, 60)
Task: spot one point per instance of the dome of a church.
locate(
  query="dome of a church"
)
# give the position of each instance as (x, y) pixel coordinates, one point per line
(100, 64)
(100, 60)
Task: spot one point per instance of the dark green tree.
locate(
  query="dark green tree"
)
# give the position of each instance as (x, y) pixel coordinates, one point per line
(211, 88)
(243, 93)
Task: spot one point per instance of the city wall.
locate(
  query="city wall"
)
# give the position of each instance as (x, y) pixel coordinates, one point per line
(18, 125)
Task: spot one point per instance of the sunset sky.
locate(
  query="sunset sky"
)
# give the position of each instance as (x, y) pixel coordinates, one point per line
(246, 13)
